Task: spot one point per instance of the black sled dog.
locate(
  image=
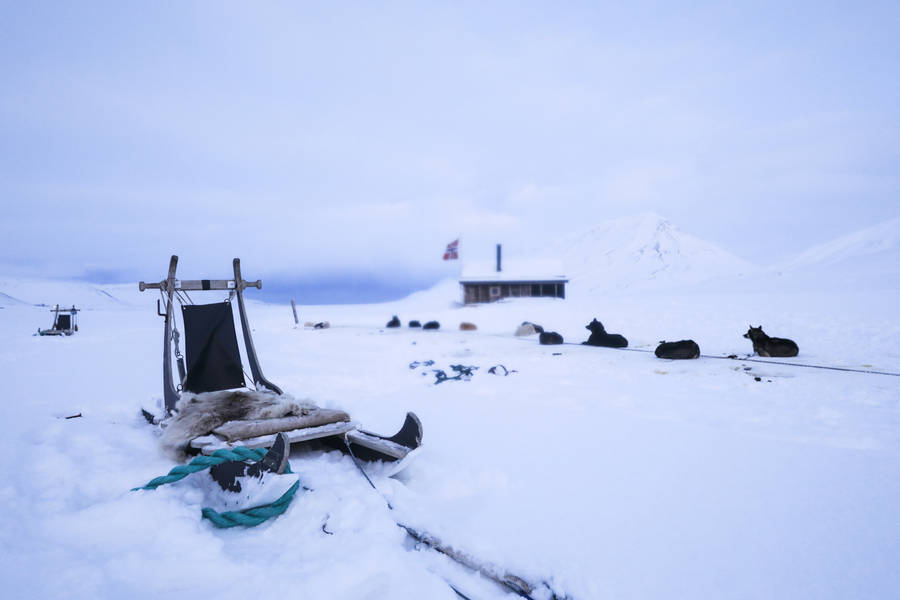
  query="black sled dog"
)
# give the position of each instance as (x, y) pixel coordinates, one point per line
(764, 345)
(599, 337)
(550, 338)
(684, 349)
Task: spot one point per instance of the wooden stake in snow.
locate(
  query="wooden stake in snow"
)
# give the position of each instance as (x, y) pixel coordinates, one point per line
(294, 308)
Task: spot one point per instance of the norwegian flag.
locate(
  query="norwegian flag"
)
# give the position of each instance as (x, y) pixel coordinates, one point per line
(452, 251)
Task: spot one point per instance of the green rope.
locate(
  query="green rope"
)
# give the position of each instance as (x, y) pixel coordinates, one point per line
(250, 517)
(204, 462)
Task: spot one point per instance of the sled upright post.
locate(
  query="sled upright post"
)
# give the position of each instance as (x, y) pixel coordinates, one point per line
(258, 378)
(169, 393)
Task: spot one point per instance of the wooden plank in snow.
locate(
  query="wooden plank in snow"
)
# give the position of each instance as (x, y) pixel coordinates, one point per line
(378, 444)
(297, 435)
(241, 430)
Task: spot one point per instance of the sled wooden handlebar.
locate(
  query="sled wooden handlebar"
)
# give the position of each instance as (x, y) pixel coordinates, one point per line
(193, 285)
(72, 310)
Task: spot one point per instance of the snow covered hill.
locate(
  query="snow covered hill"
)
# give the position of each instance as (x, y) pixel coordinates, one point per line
(869, 258)
(640, 253)
(645, 251)
(49, 292)
(877, 241)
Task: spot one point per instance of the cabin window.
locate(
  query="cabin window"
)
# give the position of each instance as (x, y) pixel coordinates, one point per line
(486, 292)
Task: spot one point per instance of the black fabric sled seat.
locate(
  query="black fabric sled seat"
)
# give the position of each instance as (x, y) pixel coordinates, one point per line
(63, 322)
(207, 403)
(213, 357)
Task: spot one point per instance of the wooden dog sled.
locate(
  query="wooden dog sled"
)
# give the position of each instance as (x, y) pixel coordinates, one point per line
(63, 322)
(212, 363)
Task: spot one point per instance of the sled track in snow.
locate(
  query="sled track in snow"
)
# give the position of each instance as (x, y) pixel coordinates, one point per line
(501, 577)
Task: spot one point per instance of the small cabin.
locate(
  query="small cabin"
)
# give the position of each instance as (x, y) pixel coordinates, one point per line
(481, 283)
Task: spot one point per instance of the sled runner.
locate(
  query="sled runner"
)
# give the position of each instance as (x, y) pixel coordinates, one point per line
(63, 322)
(209, 407)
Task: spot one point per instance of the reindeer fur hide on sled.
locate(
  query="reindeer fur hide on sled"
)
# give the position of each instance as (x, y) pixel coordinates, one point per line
(199, 414)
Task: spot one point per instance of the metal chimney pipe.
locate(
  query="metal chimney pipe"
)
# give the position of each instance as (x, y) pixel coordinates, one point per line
(498, 258)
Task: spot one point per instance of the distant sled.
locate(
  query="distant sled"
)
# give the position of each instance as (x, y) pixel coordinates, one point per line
(63, 322)
(209, 406)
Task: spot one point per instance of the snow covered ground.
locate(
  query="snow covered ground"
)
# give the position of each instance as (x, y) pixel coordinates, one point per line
(610, 474)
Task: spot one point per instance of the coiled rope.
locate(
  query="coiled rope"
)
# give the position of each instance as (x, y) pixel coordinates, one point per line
(250, 517)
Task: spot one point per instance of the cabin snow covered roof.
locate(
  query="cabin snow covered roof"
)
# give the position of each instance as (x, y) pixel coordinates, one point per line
(513, 270)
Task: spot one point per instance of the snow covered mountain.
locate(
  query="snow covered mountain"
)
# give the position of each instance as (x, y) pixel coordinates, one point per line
(645, 251)
(640, 253)
(880, 243)
(865, 259)
(869, 257)
(49, 292)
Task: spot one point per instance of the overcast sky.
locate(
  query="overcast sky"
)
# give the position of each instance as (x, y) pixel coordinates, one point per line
(340, 140)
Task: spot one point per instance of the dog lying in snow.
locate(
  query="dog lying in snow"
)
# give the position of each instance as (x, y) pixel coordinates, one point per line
(764, 345)
(599, 337)
(684, 349)
(528, 328)
(550, 338)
